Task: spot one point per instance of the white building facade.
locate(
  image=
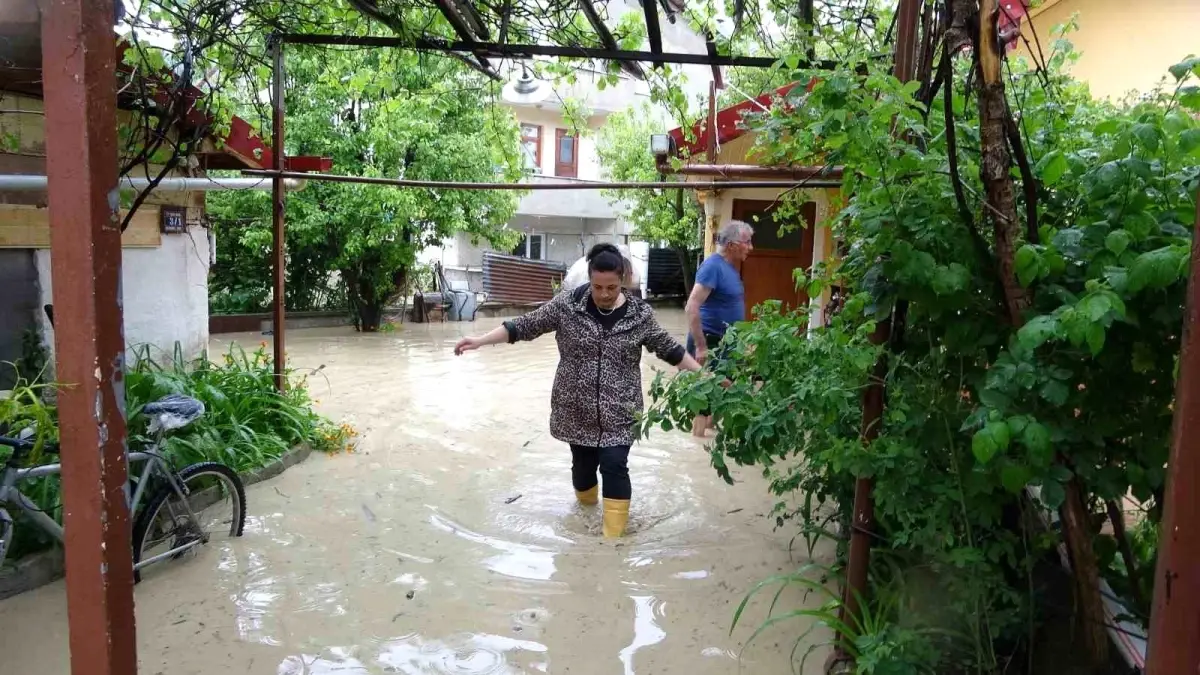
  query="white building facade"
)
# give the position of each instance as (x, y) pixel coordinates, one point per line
(558, 226)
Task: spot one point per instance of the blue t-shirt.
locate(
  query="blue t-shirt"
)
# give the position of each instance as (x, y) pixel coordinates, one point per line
(726, 304)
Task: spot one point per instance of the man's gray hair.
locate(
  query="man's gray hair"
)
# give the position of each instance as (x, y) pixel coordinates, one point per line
(733, 231)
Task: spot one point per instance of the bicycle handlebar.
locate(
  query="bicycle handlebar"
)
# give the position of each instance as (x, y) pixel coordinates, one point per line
(19, 444)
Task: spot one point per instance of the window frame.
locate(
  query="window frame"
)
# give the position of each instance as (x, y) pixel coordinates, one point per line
(526, 246)
(537, 150)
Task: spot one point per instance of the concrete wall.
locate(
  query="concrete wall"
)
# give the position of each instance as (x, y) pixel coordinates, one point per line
(568, 203)
(1125, 46)
(164, 295)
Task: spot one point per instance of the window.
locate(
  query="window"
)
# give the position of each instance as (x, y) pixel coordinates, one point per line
(566, 154)
(531, 246)
(531, 145)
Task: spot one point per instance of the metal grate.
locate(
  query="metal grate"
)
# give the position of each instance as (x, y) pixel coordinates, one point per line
(508, 278)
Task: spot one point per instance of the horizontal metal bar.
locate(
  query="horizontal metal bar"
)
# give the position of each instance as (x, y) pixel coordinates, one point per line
(628, 185)
(36, 183)
(167, 554)
(518, 51)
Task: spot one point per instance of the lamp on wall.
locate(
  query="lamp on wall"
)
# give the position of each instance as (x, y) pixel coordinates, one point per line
(660, 145)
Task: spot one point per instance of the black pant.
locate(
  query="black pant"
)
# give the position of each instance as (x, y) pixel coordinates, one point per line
(614, 468)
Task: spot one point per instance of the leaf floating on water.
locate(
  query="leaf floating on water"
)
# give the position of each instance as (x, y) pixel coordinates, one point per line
(512, 499)
(368, 513)
(410, 594)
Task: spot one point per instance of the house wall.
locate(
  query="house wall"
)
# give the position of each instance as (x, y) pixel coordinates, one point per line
(551, 119)
(164, 276)
(1124, 45)
(164, 293)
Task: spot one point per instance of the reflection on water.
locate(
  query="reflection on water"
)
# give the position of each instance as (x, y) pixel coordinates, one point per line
(451, 542)
(646, 631)
(414, 655)
(516, 560)
(474, 655)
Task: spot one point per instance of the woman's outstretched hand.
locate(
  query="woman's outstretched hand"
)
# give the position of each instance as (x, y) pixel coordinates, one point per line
(496, 336)
(467, 344)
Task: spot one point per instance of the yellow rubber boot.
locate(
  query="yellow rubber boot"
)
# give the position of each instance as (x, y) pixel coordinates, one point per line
(616, 516)
(589, 497)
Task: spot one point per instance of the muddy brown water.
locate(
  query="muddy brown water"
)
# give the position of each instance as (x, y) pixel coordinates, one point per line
(451, 543)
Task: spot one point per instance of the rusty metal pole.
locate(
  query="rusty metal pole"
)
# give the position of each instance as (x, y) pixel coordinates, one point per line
(79, 89)
(278, 204)
(1175, 617)
(863, 517)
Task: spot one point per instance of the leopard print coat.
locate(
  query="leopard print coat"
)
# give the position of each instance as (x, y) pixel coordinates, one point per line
(598, 385)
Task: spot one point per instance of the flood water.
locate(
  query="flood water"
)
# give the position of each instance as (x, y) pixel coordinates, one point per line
(451, 542)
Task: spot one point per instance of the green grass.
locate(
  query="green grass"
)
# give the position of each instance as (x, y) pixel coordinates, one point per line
(247, 423)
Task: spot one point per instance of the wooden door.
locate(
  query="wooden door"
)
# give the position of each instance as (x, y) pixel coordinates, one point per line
(768, 272)
(566, 154)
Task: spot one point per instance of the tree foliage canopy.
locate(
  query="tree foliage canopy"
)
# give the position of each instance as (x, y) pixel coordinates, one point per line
(392, 114)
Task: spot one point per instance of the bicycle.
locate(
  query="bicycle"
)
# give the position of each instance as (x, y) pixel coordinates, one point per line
(179, 511)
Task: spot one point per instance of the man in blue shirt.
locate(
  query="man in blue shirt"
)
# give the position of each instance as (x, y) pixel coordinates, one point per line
(718, 298)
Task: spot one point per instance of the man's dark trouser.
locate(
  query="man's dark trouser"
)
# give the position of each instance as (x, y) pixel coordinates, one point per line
(613, 464)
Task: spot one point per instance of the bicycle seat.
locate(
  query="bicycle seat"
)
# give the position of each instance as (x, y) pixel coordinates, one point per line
(173, 411)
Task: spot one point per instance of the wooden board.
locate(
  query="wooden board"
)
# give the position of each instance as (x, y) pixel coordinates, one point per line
(29, 227)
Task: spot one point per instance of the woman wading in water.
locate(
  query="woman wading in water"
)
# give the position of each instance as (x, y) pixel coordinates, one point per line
(601, 331)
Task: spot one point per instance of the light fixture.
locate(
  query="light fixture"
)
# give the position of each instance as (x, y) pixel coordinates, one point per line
(660, 145)
(525, 89)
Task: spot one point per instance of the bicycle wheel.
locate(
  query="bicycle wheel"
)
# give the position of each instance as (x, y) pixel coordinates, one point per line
(6, 533)
(214, 493)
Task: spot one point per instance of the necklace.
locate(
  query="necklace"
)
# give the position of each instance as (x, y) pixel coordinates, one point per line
(604, 313)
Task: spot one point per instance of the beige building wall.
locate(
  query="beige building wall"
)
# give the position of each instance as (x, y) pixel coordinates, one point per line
(1125, 46)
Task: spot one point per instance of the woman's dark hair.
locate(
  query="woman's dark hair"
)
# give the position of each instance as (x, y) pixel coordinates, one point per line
(606, 258)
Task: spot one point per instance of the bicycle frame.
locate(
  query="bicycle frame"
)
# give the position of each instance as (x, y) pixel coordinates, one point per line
(10, 495)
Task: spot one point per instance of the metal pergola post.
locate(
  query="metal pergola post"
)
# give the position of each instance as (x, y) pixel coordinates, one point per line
(1175, 614)
(79, 89)
(278, 210)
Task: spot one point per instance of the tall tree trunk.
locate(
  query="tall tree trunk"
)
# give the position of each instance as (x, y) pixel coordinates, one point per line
(1001, 211)
(686, 268)
(995, 161)
(370, 315)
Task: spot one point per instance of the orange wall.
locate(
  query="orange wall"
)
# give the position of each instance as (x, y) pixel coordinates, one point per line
(1125, 44)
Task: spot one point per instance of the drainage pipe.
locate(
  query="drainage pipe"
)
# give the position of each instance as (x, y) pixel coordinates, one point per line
(35, 183)
(752, 171)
